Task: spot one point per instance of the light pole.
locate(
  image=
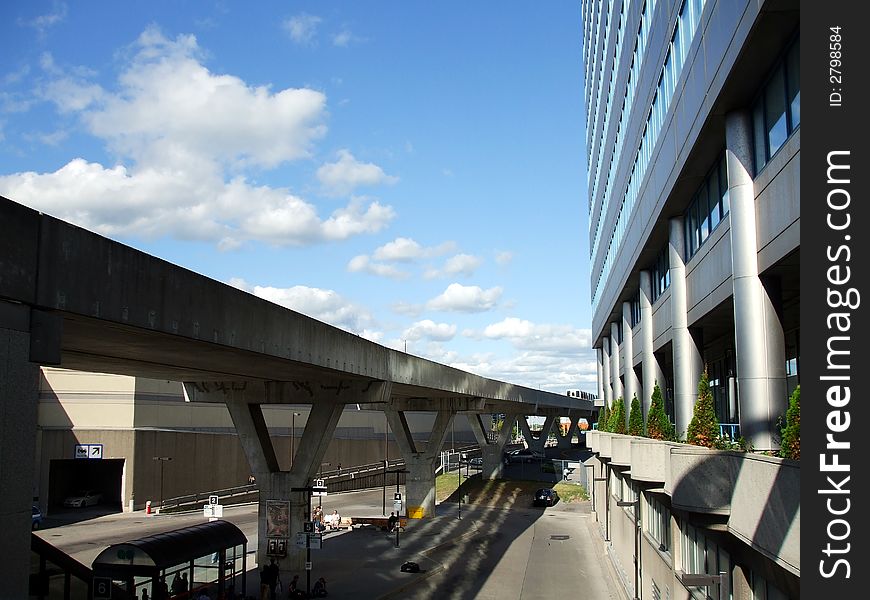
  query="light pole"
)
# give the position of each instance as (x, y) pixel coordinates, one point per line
(636, 504)
(293, 435)
(161, 460)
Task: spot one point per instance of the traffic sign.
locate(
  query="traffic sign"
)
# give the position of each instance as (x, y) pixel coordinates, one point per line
(102, 588)
(308, 527)
(213, 499)
(397, 497)
(301, 539)
(315, 541)
(213, 511)
(308, 566)
(88, 451)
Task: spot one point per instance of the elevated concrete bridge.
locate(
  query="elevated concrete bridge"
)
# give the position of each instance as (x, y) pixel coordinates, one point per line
(74, 299)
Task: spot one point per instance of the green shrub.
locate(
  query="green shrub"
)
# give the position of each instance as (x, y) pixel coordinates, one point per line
(791, 433)
(604, 418)
(617, 417)
(658, 426)
(635, 418)
(704, 426)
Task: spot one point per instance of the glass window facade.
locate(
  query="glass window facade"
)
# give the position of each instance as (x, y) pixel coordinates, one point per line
(776, 113)
(708, 207)
(702, 555)
(661, 274)
(658, 522)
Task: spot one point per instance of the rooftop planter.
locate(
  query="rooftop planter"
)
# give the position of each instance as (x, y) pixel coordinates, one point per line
(620, 446)
(651, 459)
(702, 480)
(592, 439)
(766, 510)
(604, 441)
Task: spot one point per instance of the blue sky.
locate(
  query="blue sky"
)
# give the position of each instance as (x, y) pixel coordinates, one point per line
(413, 172)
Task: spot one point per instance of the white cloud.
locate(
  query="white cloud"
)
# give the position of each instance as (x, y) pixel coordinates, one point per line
(428, 329)
(185, 136)
(469, 299)
(347, 173)
(408, 309)
(342, 39)
(503, 258)
(362, 264)
(43, 22)
(324, 305)
(461, 264)
(408, 250)
(525, 335)
(302, 28)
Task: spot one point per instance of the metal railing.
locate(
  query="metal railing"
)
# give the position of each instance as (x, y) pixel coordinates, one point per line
(347, 479)
(729, 431)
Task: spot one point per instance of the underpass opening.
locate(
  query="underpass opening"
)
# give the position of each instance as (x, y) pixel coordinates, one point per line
(67, 477)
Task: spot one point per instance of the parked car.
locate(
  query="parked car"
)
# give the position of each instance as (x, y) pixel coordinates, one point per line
(546, 497)
(477, 461)
(83, 498)
(36, 523)
(522, 456)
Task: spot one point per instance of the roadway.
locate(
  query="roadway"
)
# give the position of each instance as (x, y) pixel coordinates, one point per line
(505, 552)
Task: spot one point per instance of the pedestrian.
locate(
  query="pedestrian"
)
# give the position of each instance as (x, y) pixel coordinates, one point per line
(293, 590)
(391, 522)
(144, 594)
(565, 473)
(319, 589)
(185, 584)
(270, 577)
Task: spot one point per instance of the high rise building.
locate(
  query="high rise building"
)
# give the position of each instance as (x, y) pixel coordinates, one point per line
(693, 142)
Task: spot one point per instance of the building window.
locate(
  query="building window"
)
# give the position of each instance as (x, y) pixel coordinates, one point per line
(634, 309)
(616, 485)
(708, 208)
(764, 590)
(700, 555)
(658, 522)
(776, 113)
(661, 274)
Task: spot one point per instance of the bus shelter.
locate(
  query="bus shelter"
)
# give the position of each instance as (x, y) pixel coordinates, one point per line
(176, 564)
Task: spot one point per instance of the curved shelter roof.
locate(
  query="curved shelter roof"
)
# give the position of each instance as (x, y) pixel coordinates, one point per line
(149, 555)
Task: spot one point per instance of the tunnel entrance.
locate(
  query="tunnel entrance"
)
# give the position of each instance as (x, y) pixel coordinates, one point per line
(67, 477)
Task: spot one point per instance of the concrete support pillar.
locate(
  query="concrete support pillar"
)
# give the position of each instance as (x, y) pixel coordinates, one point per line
(420, 462)
(492, 452)
(599, 356)
(615, 362)
(282, 510)
(631, 383)
(687, 356)
(608, 388)
(649, 365)
(760, 343)
(19, 383)
(564, 441)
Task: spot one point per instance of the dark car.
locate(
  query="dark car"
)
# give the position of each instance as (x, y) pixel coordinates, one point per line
(546, 497)
(523, 456)
(37, 518)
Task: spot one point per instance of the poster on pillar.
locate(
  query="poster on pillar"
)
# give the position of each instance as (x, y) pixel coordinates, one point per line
(277, 518)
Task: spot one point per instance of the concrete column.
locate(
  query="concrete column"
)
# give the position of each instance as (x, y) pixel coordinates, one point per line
(760, 343)
(541, 442)
(631, 383)
(649, 363)
(19, 383)
(615, 363)
(687, 357)
(492, 452)
(599, 353)
(608, 388)
(244, 401)
(420, 462)
(564, 441)
(523, 422)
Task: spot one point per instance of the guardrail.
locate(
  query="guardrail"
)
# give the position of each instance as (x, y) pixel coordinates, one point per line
(348, 479)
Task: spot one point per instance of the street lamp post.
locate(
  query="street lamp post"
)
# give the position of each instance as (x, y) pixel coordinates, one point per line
(636, 504)
(161, 460)
(397, 472)
(293, 435)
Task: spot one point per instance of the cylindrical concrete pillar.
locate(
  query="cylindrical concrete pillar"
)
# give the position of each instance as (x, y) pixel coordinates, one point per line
(615, 366)
(608, 387)
(648, 359)
(759, 339)
(631, 383)
(600, 370)
(687, 357)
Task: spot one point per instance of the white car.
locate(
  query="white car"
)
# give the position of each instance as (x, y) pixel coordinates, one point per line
(83, 498)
